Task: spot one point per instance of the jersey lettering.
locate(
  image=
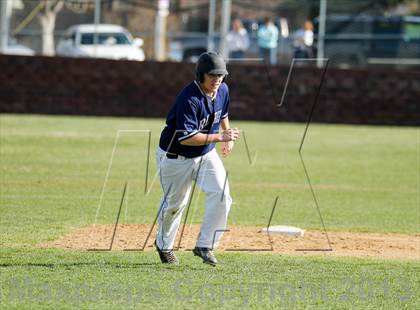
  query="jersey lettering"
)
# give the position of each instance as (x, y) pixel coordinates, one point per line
(217, 116)
(204, 122)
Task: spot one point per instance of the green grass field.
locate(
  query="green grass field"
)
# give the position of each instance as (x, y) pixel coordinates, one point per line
(53, 169)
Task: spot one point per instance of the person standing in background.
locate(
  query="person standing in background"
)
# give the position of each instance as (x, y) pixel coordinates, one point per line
(237, 39)
(268, 35)
(303, 40)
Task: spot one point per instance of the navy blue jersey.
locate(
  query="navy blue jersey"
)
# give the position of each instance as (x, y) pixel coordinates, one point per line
(193, 112)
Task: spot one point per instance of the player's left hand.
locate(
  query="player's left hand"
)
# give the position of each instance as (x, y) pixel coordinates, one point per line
(227, 148)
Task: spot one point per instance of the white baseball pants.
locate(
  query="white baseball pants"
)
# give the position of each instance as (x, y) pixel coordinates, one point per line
(176, 178)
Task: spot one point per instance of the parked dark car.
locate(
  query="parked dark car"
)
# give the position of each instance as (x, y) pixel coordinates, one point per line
(352, 41)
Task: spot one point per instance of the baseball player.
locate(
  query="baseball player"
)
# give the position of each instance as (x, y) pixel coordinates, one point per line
(186, 153)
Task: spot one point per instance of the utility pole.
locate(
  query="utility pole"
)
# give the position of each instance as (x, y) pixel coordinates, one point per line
(5, 24)
(160, 29)
(226, 11)
(212, 15)
(96, 21)
(321, 32)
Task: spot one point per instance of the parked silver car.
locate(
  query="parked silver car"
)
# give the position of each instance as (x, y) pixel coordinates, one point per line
(14, 48)
(101, 41)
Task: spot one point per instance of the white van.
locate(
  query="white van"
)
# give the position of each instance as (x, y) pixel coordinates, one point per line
(101, 41)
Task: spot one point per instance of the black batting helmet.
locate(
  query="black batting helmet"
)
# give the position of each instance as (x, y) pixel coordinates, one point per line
(211, 63)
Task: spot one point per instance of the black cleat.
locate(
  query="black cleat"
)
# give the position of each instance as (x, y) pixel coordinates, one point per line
(206, 255)
(167, 257)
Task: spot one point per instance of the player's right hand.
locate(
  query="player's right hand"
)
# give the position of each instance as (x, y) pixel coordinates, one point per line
(230, 134)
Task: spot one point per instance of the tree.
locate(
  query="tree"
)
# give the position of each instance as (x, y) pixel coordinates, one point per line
(50, 9)
(47, 20)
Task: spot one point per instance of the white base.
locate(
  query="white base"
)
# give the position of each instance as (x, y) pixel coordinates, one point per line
(284, 230)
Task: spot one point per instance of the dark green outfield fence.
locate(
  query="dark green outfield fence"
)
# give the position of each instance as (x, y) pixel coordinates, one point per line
(53, 85)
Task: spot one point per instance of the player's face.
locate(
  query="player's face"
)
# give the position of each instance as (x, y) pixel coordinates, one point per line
(212, 82)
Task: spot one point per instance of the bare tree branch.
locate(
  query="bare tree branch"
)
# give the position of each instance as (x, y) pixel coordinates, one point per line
(59, 5)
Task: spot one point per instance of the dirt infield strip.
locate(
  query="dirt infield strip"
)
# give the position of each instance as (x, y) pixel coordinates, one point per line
(248, 238)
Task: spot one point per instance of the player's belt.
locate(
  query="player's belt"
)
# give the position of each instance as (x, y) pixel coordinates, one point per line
(175, 156)
(172, 156)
